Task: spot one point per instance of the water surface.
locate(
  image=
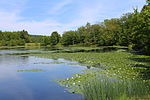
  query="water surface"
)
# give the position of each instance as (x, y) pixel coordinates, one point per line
(18, 80)
(34, 78)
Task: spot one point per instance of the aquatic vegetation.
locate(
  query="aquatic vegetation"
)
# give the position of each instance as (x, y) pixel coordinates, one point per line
(30, 70)
(23, 53)
(89, 65)
(115, 90)
(101, 87)
(10, 47)
(42, 63)
(86, 49)
(116, 75)
(53, 62)
(114, 64)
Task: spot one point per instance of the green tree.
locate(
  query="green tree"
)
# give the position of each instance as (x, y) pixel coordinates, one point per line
(142, 35)
(47, 40)
(24, 35)
(81, 33)
(111, 31)
(69, 38)
(55, 37)
(148, 2)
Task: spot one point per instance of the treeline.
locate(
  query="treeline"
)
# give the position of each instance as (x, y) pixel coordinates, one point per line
(131, 29)
(21, 37)
(13, 38)
(54, 39)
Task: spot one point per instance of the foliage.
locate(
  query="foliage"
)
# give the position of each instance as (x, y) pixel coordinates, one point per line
(39, 39)
(132, 30)
(142, 35)
(55, 37)
(24, 35)
(20, 38)
(69, 38)
(32, 44)
(11, 39)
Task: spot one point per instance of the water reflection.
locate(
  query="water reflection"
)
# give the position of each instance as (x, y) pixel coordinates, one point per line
(6, 63)
(34, 81)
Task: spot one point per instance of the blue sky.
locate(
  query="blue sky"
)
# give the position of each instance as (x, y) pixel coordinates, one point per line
(45, 16)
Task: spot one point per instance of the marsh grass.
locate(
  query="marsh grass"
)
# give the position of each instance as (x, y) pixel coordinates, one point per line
(53, 62)
(24, 53)
(115, 90)
(100, 87)
(86, 49)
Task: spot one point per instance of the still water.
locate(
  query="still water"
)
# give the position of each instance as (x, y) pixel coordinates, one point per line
(18, 80)
(34, 78)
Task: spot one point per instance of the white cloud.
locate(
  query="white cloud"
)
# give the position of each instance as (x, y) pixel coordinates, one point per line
(89, 12)
(58, 8)
(86, 11)
(11, 22)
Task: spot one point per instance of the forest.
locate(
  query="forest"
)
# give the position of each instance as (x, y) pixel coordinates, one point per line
(131, 30)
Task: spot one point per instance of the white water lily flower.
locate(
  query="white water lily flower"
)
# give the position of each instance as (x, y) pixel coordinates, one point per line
(79, 81)
(74, 83)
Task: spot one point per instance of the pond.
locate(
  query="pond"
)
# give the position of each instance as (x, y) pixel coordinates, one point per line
(67, 76)
(22, 79)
